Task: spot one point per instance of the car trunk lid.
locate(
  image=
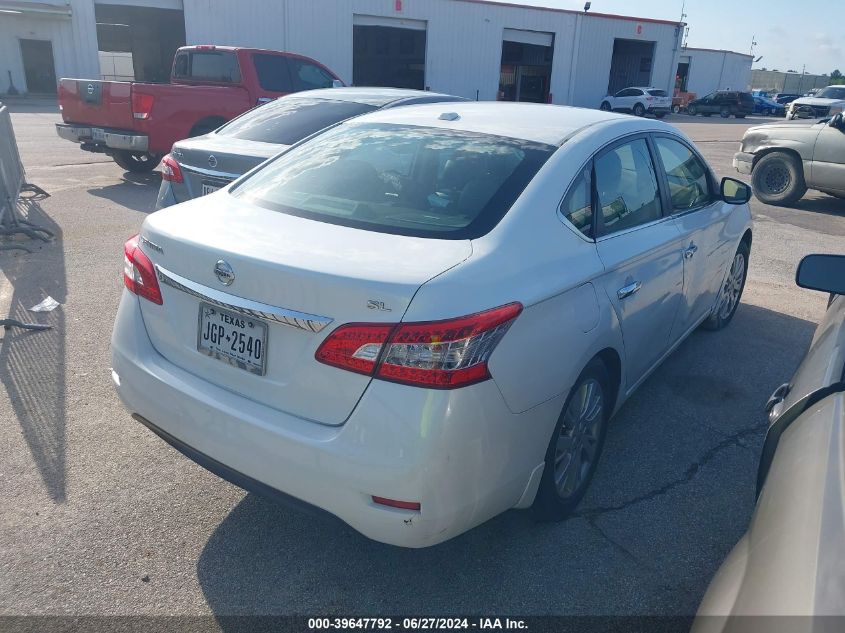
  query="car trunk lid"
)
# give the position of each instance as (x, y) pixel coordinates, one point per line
(323, 272)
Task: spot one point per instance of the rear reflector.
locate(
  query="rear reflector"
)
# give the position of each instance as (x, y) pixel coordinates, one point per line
(139, 275)
(170, 170)
(142, 105)
(404, 505)
(436, 354)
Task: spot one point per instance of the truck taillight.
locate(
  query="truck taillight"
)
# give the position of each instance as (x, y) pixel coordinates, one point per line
(170, 170)
(142, 105)
(434, 354)
(139, 275)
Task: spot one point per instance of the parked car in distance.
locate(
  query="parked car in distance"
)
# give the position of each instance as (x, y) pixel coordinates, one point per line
(639, 101)
(791, 561)
(826, 102)
(768, 107)
(203, 164)
(786, 159)
(785, 98)
(725, 103)
(680, 100)
(371, 319)
(137, 123)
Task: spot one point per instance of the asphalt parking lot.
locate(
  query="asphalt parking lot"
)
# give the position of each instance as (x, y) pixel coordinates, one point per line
(98, 516)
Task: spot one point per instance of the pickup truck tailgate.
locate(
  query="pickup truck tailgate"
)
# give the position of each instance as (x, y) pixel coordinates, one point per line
(106, 104)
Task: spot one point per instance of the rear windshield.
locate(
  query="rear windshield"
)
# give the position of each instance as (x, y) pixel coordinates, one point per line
(208, 65)
(657, 93)
(288, 120)
(832, 92)
(404, 180)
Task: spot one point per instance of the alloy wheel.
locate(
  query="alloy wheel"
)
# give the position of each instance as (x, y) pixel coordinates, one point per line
(732, 288)
(578, 441)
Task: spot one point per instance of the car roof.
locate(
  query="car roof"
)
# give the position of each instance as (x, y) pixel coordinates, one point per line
(373, 96)
(540, 123)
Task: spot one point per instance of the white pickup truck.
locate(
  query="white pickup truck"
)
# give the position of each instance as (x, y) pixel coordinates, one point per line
(826, 102)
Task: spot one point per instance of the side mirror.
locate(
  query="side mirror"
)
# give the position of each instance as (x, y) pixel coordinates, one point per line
(734, 191)
(337, 83)
(822, 272)
(837, 121)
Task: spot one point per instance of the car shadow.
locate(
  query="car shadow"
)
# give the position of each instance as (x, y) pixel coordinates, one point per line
(32, 363)
(821, 203)
(672, 495)
(134, 191)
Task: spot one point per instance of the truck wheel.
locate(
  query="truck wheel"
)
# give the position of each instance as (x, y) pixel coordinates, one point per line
(676, 109)
(778, 179)
(136, 162)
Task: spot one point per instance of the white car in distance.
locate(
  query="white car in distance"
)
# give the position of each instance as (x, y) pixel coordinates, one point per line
(639, 102)
(427, 315)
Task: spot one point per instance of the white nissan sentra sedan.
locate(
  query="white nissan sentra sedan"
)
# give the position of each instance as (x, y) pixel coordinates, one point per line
(427, 315)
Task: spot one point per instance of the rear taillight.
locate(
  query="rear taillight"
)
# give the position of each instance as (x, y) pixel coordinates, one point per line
(170, 170)
(138, 272)
(142, 105)
(436, 354)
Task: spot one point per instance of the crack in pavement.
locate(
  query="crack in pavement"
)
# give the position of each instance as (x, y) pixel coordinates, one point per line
(591, 514)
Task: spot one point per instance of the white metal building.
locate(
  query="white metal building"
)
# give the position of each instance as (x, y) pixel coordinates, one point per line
(474, 48)
(703, 70)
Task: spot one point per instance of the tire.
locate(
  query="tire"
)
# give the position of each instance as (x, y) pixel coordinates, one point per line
(769, 112)
(676, 109)
(552, 503)
(605, 106)
(778, 179)
(692, 110)
(136, 162)
(725, 113)
(731, 292)
(639, 110)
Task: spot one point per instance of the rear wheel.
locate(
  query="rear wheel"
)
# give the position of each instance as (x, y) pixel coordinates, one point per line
(639, 110)
(676, 109)
(605, 106)
(725, 113)
(136, 162)
(731, 292)
(778, 178)
(576, 444)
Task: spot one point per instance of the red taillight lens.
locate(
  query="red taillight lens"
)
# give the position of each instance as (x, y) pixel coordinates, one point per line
(142, 105)
(436, 354)
(138, 272)
(170, 170)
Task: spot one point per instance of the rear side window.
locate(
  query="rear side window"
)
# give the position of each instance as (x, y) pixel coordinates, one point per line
(627, 187)
(577, 205)
(208, 65)
(399, 179)
(657, 93)
(272, 71)
(288, 120)
(689, 184)
(307, 76)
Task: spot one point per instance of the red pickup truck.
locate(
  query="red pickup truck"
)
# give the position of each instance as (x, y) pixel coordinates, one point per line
(137, 123)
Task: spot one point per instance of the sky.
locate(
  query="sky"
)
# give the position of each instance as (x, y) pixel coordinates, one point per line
(789, 34)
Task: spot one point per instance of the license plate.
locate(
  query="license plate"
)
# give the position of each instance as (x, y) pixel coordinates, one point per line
(98, 134)
(232, 338)
(208, 188)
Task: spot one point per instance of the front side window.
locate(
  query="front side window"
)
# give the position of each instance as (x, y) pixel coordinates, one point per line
(577, 206)
(406, 180)
(832, 92)
(288, 120)
(627, 187)
(689, 184)
(307, 76)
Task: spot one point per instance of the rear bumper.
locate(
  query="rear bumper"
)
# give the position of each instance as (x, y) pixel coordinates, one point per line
(111, 138)
(743, 162)
(461, 454)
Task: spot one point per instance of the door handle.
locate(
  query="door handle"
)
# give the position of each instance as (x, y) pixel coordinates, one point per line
(690, 250)
(630, 289)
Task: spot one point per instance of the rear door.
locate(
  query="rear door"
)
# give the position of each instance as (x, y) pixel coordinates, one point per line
(641, 248)
(701, 218)
(828, 168)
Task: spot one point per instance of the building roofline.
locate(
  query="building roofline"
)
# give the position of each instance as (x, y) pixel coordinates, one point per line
(716, 50)
(612, 16)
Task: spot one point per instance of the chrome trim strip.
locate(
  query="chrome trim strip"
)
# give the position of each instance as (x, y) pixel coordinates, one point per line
(220, 175)
(299, 320)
